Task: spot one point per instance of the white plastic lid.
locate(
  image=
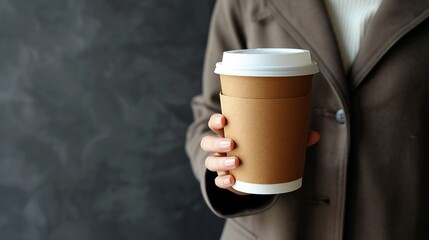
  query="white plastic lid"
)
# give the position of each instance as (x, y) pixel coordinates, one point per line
(267, 62)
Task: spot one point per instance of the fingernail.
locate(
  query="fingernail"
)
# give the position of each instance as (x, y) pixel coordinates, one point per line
(227, 181)
(217, 121)
(230, 162)
(225, 145)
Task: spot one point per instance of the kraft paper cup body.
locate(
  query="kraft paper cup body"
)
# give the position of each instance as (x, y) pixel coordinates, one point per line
(266, 99)
(266, 87)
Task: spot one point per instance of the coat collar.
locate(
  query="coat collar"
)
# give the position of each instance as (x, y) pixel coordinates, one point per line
(313, 30)
(393, 20)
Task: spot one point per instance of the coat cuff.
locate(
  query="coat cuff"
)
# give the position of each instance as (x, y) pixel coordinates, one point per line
(226, 204)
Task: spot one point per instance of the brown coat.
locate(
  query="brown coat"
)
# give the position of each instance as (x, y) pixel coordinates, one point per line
(367, 176)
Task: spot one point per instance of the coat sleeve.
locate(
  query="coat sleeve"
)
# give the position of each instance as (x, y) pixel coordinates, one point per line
(226, 33)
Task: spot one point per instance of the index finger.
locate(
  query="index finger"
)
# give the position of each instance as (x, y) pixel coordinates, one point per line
(217, 123)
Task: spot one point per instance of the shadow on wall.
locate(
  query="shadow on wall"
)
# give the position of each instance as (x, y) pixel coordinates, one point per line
(94, 105)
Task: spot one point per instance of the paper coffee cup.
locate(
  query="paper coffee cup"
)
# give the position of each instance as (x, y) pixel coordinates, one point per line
(266, 99)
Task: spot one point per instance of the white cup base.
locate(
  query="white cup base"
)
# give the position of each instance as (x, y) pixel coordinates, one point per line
(276, 188)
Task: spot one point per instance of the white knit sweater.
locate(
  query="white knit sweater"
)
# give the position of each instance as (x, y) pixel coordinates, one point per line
(350, 19)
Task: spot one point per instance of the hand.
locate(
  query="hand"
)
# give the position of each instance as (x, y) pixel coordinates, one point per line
(220, 145)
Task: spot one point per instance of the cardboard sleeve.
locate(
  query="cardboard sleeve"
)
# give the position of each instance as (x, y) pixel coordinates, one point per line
(270, 137)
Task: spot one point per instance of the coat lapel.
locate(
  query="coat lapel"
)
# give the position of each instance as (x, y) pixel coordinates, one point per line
(308, 22)
(314, 31)
(392, 21)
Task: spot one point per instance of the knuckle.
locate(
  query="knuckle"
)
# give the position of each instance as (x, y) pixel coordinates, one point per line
(208, 163)
(219, 182)
(204, 142)
(214, 163)
(215, 122)
(211, 122)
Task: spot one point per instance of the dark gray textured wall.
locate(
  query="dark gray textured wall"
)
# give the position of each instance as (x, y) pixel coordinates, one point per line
(94, 105)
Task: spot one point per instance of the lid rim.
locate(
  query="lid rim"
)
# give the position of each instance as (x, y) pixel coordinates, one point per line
(300, 70)
(267, 62)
